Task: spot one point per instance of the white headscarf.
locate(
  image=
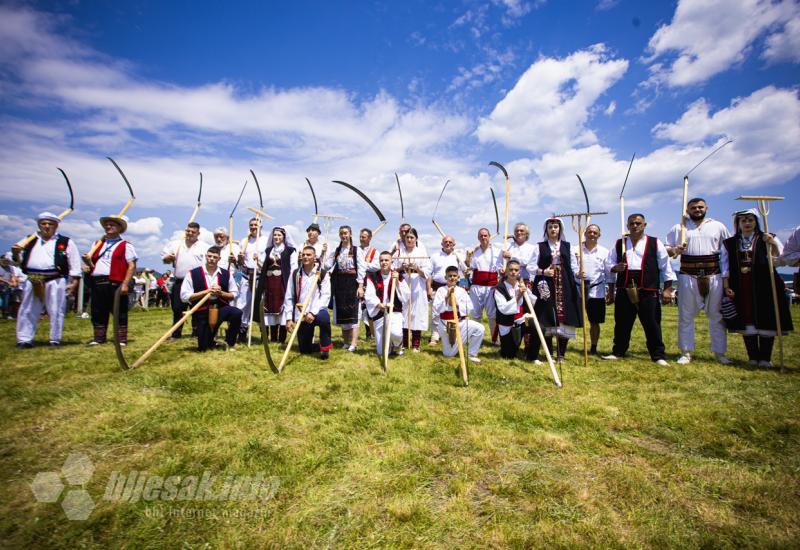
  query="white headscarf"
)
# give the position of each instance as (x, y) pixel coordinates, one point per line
(287, 239)
(748, 212)
(560, 233)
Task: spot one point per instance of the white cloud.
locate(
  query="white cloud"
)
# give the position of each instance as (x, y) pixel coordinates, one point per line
(784, 45)
(708, 36)
(484, 72)
(548, 108)
(604, 5)
(145, 226)
(612, 106)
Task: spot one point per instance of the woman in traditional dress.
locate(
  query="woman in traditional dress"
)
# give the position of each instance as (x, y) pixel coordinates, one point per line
(347, 267)
(553, 268)
(417, 267)
(279, 262)
(745, 280)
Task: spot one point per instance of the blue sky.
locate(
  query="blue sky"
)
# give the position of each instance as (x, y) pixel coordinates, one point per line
(360, 90)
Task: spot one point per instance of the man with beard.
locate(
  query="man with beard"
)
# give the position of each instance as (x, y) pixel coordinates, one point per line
(228, 250)
(699, 279)
(440, 261)
(521, 250)
(250, 259)
(184, 254)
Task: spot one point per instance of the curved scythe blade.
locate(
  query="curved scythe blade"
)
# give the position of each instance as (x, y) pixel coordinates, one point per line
(585, 196)
(200, 194)
(496, 213)
(626, 176)
(121, 173)
(235, 206)
(439, 199)
(501, 167)
(380, 215)
(708, 156)
(69, 186)
(314, 195)
(260, 199)
(402, 207)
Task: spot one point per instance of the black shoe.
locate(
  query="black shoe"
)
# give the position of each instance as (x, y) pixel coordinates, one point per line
(24, 345)
(55, 344)
(593, 350)
(323, 355)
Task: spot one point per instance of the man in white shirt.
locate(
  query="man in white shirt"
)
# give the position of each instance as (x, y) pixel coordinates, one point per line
(251, 257)
(312, 239)
(228, 250)
(48, 261)
(513, 312)
(472, 332)
(377, 294)
(219, 283)
(440, 261)
(111, 266)
(302, 282)
(483, 266)
(594, 274)
(9, 284)
(638, 273)
(184, 254)
(372, 264)
(699, 279)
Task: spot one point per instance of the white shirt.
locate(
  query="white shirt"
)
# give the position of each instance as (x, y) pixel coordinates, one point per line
(373, 264)
(512, 305)
(319, 300)
(442, 304)
(230, 249)
(594, 267)
(102, 267)
(9, 272)
(636, 255)
(371, 298)
(253, 248)
(317, 247)
(186, 258)
(187, 287)
(43, 256)
(441, 261)
(791, 253)
(522, 253)
(702, 239)
(345, 261)
(486, 260)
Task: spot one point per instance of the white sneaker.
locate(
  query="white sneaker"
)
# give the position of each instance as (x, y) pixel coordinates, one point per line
(610, 357)
(231, 349)
(537, 362)
(765, 363)
(474, 359)
(662, 362)
(399, 352)
(722, 359)
(685, 359)
(351, 349)
(415, 350)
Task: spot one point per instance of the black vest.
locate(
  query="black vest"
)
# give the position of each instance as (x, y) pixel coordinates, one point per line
(199, 283)
(650, 278)
(545, 309)
(377, 280)
(285, 261)
(502, 318)
(60, 260)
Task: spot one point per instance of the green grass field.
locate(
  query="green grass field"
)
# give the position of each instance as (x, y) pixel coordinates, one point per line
(626, 454)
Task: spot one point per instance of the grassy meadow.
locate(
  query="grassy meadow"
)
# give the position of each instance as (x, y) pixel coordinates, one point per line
(627, 454)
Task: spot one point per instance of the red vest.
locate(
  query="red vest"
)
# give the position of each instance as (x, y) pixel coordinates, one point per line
(119, 266)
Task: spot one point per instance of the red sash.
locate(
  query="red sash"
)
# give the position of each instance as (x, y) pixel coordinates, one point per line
(484, 278)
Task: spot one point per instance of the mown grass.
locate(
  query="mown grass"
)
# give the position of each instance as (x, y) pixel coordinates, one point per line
(626, 454)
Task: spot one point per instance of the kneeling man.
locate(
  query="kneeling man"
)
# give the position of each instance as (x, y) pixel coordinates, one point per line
(377, 294)
(210, 279)
(512, 312)
(302, 282)
(472, 332)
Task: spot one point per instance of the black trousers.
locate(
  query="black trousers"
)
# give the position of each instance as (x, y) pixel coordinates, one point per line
(178, 307)
(305, 334)
(205, 335)
(103, 303)
(508, 348)
(649, 313)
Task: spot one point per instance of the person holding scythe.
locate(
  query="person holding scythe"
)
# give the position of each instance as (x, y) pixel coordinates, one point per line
(371, 265)
(347, 267)
(745, 279)
(251, 257)
(483, 271)
(554, 269)
(184, 254)
(595, 258)
(48, 261)
(645, 263)
(219, 283)
(471, 332)
(520, 249)
(512, 312)
(280, 260)
(312, 233)
(111, 267)
(377, 295)
(417, 268)
(304, 284)
(440, 261)
(228, 250)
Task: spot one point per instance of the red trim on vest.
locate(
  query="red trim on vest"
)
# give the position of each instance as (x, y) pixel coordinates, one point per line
(119, 266)
(484, 278)
(647, 240)
(370, 254)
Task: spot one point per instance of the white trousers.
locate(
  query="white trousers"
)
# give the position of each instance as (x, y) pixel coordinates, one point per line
(472, 333)
(395, 331)
(482, 298)
(243, 301)
(30, 311)
(689, 305)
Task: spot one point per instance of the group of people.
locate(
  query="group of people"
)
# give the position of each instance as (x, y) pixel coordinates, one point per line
(721, 272)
